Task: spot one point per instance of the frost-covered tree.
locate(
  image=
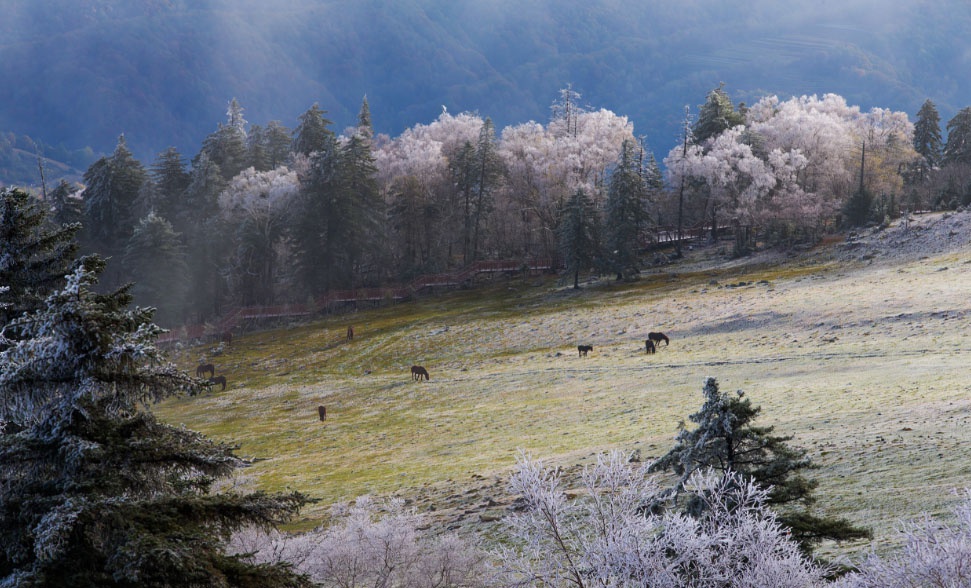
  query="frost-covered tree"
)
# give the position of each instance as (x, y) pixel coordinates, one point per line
(626, 194)
(727, 441)
(234, 116)
(35, 254)
(372, 543)
(934, 554)
(258, 206)
(605, 537)
(579, 236)
(156, 261)
(94, 490)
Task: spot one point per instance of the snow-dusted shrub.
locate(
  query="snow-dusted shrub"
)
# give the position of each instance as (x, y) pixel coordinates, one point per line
(608, 535)
(935, 555)
(371, 544)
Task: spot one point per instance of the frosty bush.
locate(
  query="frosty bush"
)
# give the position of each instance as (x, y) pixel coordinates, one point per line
(373, 545)
(934, 555)
(605, 537)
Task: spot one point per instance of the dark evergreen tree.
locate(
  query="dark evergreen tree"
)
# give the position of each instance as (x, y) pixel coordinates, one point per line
(318, 230)
(156, 260)
(171, 179)
(66, 204)
(927, 137)
(716, 115)
(727, 440)
(313, 132)
(201, 231)
(256, 155)
(35, 254)
(276, 144)
(94, 490)
(112, 187)
(957, 149)
(413, 218)
(489, 173)
(365, 206)
(462, 170)
(626, 194)
(226, 147)
(579, 235)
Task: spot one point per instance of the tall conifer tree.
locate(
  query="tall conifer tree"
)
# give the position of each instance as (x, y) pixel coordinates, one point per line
(35, 254)
(94, 490)
(727, 440)
(626, 194)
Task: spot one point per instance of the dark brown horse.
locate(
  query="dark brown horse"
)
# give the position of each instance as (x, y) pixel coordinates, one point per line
(350, 333)
(649, 347)
(584, 349)
(658, 337)
(218, 380)
(418, 372)
(205, 368)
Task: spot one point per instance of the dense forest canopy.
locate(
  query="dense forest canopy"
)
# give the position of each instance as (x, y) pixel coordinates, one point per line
(80, 73)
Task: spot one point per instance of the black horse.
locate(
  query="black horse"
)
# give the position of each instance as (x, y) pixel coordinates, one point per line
(649, 346)
(205, 368)
(658, 337)
(584, 349)
(418, 372)
(218, 380)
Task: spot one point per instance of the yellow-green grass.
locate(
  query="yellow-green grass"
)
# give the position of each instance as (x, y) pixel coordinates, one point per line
(867, 367)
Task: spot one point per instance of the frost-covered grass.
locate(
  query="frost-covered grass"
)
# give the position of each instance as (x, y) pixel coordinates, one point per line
(865, 365)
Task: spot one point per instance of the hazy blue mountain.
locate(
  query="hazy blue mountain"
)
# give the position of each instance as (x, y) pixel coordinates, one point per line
(78, 73)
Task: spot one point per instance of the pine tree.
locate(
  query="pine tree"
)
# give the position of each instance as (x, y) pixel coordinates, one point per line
(35, 254)
(927, 135)
(67, 206)
(197, 223)
(579, 235)
(727, 441)
(171, 179)
(94, 490)
(716, 115)
(312, 134)
(226, 147)
(112, 186)
(626, 194)
(365, 206)
(277, 144)
(957, 150)
(156, 260)
(318, 229)
(488, 178)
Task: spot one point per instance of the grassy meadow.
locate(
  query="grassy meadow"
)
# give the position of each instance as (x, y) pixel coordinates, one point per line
(865, 363)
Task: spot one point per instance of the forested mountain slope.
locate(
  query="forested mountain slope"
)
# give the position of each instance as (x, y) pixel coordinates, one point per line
(82, 72)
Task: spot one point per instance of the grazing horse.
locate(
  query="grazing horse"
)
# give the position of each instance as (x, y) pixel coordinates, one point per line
(322, 412)
(658, 337)
(584, 349)
(218, 380)
(418, 372)
(205, 368)
(649, 346)
(350, 333)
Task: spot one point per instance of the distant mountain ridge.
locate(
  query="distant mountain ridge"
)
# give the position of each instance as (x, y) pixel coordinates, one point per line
(82, 72)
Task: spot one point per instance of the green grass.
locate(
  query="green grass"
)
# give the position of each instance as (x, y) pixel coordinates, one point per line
(866, 367)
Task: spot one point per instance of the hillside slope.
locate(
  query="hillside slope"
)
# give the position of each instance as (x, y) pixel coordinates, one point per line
(857, 348)
(83, 72)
